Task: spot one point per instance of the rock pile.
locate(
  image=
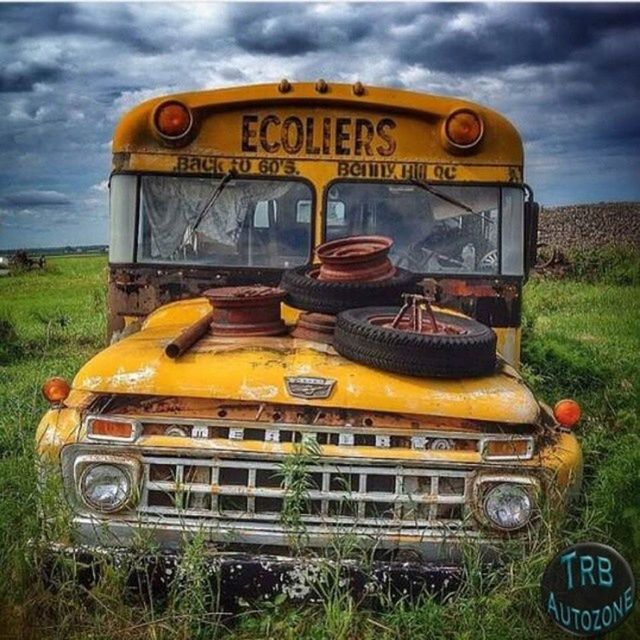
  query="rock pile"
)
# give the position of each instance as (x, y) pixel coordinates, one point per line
(591, 225)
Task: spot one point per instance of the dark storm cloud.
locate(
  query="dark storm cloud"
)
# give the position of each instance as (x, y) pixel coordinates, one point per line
(565, 74)
(113, 22)
(456, 37)
(494, 37)
(19, 21)
(291, 30)
(24, 77)
(34, 198)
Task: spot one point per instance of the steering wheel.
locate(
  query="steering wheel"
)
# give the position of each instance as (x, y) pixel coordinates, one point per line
(489, 260)
(417, 258)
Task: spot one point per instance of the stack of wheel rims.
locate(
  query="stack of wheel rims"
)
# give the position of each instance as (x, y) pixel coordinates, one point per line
(381, 322)
(353, 272)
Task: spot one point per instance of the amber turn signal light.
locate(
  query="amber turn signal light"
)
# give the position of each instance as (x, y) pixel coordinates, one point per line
(173, 119)
(107, 429)
(567, 413)
(56, 390)
(463, 128)
(520, 448)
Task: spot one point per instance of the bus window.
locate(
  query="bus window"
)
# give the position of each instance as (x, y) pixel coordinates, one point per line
(241, 229)
(430, 234)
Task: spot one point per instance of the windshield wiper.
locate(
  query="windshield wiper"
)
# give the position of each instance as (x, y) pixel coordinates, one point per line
(207, 207)
(423, 184)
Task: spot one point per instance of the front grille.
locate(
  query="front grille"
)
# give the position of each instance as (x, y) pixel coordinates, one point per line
(246, 489)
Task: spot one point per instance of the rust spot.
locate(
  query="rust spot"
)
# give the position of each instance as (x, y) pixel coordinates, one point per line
(467, 289)
(121, 161)
(136, 290)
(415, 315)
(268, 413)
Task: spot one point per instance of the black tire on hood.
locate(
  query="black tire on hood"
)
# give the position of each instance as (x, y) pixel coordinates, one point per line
(470, 354)
(311, 294)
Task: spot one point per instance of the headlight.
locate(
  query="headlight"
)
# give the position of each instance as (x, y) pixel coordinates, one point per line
(105, 487)
(508, 506)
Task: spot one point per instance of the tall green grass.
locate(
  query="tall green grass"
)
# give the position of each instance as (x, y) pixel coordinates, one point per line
(49, 325)
(580, 340)
(611, 264)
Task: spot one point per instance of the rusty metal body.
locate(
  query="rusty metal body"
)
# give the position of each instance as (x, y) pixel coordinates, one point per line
(214, 466)
(22, 260)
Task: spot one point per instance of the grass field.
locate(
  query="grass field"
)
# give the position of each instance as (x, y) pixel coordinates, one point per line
(582, 340)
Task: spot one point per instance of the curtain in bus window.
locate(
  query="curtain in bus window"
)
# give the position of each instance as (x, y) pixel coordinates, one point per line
(172, 205)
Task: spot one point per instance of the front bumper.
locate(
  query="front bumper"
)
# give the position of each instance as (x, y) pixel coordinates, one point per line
(436, 545)
(237, 577)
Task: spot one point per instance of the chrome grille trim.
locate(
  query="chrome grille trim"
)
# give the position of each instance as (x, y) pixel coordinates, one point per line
(417, 499)
(345, 436)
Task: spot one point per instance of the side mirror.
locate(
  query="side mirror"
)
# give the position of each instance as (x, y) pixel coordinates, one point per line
(531, 214)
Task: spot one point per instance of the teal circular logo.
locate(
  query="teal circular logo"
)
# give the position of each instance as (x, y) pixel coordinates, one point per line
(588, 589)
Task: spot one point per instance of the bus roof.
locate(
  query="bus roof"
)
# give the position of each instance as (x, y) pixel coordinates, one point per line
(356, 131)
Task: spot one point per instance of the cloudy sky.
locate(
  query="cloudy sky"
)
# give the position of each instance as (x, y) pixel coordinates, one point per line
(567, 75)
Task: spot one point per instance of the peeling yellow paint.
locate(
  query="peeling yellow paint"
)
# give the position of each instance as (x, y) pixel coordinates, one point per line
(131, 379)
(260, 392)
(255, 369)
(57, 428)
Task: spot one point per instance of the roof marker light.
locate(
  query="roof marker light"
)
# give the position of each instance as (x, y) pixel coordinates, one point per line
(172, 119)
(463, 129)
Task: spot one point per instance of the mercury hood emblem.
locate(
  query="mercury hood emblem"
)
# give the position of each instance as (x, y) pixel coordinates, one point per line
(309, 387)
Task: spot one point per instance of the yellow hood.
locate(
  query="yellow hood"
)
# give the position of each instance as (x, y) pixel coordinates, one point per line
(255, 369)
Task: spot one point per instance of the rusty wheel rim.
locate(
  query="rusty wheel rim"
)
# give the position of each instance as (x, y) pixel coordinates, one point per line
(246, 311)
(318, 327)
(356, 258)
(246, 296)
(442, 328)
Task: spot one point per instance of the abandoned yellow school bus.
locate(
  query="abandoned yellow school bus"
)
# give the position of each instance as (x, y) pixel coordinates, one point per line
(324, 273)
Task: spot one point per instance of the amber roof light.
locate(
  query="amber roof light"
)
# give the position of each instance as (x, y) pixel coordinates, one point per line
(172, 119)
(463, 129)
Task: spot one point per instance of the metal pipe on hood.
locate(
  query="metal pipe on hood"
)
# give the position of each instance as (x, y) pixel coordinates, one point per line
(188, 337)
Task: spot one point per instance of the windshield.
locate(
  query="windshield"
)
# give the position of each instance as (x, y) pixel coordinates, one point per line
(430, 234)
(261, 223)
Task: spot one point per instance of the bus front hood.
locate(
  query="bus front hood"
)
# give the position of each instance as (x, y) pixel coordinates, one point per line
(258, 369)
